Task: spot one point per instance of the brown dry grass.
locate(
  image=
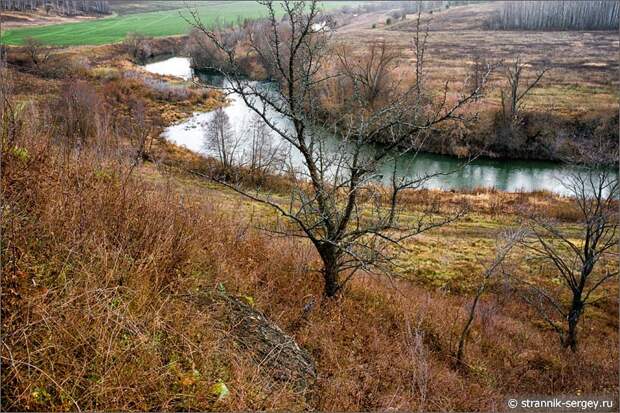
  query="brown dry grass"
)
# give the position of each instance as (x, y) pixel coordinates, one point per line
(109, 277)
(583, 63)
(100, 270)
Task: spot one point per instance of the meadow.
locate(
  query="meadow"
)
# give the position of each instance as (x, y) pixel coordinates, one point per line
(154, 23)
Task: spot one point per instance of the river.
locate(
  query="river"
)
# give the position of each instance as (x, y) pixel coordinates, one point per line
(503, 175)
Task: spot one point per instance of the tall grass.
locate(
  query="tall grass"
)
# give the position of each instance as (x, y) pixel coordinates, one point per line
(110, 268)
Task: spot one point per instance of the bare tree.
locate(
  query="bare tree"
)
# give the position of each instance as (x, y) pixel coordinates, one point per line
(37, 52)
(518, 87)
(353, 221)
(265, 155)
(220, 138)
(577, 257)
(505, 244)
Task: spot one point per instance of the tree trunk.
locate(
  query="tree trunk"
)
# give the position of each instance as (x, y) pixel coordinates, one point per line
(330, 271)
(570, 340)
(465, 332)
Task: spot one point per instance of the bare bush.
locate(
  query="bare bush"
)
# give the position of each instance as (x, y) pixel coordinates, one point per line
(138, 47)
(140, 132)
(38, 53)
(77, 113)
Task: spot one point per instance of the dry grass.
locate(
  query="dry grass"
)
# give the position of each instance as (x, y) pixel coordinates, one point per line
(96, 303)
(97, 299)
(110, 272)
(581, 62)
(577, 97)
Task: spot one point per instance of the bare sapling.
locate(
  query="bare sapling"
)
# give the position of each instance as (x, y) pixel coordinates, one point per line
(583, 258)
(505, 244)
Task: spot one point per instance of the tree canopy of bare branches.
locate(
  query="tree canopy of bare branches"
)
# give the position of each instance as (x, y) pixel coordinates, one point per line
(353, 221)
(519, 86)
(220, 138)
(578, 258)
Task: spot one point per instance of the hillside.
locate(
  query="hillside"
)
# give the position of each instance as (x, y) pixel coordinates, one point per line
(139, 275)
(149, 19)
(112, 300)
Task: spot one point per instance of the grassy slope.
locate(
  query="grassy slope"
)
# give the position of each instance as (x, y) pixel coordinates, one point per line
(107, 297)
(124, 7)
(158, 23)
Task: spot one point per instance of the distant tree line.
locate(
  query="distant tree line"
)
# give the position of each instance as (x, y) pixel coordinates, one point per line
(557, 15)
(61, 7)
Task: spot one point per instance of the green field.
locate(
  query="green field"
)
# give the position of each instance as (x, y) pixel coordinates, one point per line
(158, 23)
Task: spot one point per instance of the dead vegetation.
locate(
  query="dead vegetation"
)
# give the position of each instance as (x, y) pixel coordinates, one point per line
(575, 100)
(97, 297)
(113, 264)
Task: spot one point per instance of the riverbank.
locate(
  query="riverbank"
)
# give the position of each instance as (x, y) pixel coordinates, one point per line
(538, 134)
(481, 172)
(174, 101)
(170, 100)
(574, 105)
